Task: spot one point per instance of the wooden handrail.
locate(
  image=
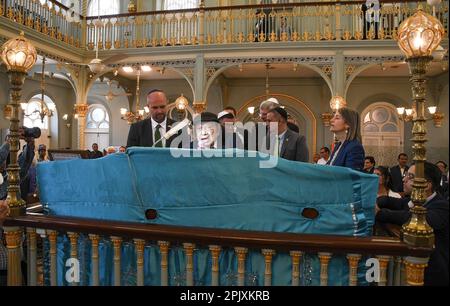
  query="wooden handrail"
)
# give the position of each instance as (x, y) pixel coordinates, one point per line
(225, 237)
(237, 7)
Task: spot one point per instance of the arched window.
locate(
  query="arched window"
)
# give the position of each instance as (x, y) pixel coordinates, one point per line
(97, 118)
(107, 7)
(97, 127)
(382, 133)
(32, 111)
(180, 4)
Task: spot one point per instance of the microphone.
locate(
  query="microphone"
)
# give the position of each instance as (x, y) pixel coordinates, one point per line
(173, 130)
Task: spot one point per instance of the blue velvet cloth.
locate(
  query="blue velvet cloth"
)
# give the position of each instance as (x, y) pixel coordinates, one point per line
(217, 192)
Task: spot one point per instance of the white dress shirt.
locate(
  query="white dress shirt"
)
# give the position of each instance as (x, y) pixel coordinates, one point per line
(162, 130)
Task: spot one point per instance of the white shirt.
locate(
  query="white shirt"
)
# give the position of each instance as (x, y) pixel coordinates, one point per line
(280, 141)
(411, 204)
(162, 130)
(322, 161)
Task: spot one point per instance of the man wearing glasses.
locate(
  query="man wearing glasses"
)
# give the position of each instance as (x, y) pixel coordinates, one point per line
(396, 211)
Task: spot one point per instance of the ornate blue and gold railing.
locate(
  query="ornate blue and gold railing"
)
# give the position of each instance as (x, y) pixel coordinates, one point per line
(52, 19)
(177, 253)
(293, 22)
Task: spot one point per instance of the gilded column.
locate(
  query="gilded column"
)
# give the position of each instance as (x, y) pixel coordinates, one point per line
(268, 255)
(384, 261)
(189, 249)
(295, 256)
(415, 268)
(94, 258)
(139, 245)
(73, 237)
(32, 254)
(353, 260)
(215, 253)
(241, 254)
(52, 237)
(81, 111)
(13, 236)
(324, 260)
(199, 104)
(117, 244)
(164, 250)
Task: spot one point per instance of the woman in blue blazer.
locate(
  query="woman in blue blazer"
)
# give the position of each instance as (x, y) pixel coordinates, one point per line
(348, 151)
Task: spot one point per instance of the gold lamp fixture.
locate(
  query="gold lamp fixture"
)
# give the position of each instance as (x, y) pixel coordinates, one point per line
(19, 55)
(139, 114)
(337, 102)
(418, 37)
(408, 114)
(43, 110)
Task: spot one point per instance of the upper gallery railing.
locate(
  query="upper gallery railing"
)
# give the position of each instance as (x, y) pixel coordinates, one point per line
(52, 19)
(304, 21)
(340, 20)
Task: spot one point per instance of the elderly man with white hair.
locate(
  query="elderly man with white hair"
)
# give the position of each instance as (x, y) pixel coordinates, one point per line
(266, 106)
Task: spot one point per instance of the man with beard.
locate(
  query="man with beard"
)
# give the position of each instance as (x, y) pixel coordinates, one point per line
(149, 131)
(207, 132)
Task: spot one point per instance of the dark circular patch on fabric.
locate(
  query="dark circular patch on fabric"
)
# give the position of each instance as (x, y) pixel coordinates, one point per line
(310, 213)
(151, 214)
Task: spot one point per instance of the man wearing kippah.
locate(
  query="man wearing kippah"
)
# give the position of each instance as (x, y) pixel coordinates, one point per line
(207, 131)
(288, 144)
(230, 137)
(147, 132)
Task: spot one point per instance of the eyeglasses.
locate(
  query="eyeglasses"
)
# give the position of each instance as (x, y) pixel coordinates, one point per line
(410, 176)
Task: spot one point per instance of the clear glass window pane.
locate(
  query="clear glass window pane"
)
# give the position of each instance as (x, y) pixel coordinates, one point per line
(103, 125)
(380, 115)
(98, 114)
(389, 128)
(91, 125)
(367, 118)
(370, 128)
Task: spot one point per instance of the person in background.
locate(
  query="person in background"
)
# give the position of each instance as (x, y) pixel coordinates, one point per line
(110, 150)
(324, 156)
(288, 144)
(398, 173)
(42, 153)
(444, 177)
(232, 110)
(348, 151)
(384, 183)
(316, 158)
(397, 211)
(149, 132)
(369, 164)
(122, 149)
(95, 153)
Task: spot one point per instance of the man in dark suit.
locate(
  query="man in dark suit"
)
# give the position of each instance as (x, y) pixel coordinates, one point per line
(398, 173)
(149, 131)
(396, 211)
(288, 144)
(369, 164)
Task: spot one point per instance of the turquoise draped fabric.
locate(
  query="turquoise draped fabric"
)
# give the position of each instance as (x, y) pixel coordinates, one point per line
(217, 192)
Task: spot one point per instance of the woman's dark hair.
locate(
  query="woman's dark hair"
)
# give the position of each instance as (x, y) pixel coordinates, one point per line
(352, 118)
(386, 174)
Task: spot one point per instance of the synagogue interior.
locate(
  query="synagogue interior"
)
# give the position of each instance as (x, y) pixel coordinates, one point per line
(95, 93)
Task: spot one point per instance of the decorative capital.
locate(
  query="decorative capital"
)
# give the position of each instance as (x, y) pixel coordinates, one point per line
(199, 107)
(326, 117)
(81, 109)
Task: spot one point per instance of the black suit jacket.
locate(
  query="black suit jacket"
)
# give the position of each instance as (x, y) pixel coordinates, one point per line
(396, 211)
(397, 179)
(141, 133)
(294, 147)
